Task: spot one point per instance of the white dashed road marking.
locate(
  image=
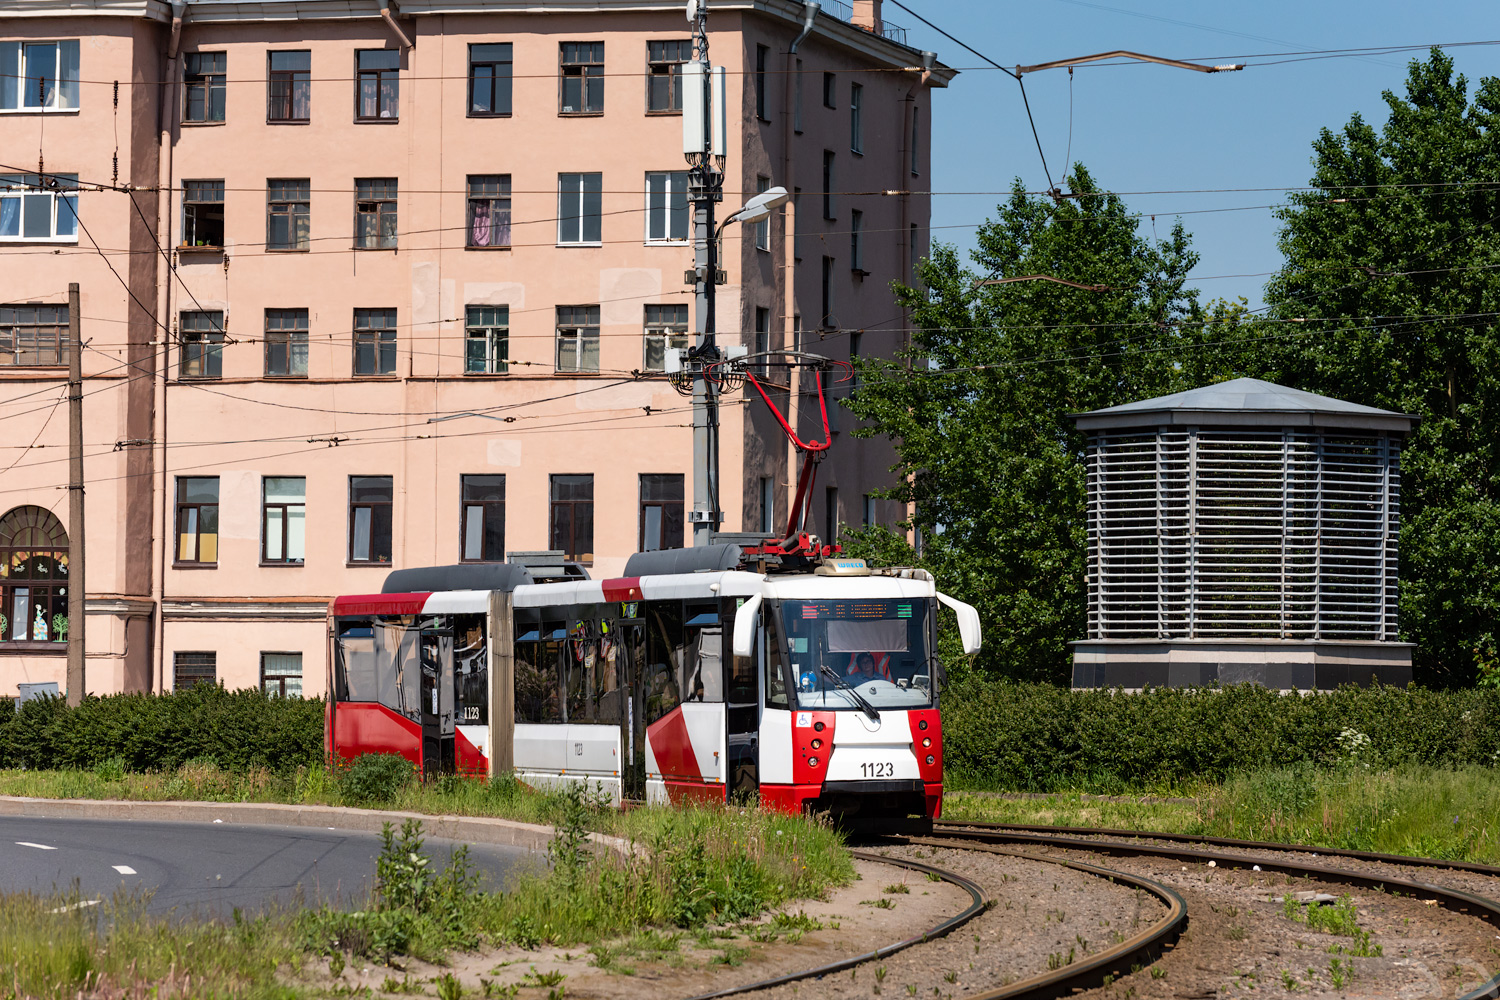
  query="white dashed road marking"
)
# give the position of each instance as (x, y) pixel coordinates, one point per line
(40, 847)
(124, 869)
(75, 906)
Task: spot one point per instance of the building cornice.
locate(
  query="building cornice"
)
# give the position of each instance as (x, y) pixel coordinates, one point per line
(280, 610)
(876, 48)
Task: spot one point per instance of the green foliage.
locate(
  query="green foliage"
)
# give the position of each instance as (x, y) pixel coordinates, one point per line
(1038, 737)
(238, 730)
(375, 778)
(986, 447)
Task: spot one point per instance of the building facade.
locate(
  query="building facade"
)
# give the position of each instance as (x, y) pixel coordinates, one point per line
(368, 285)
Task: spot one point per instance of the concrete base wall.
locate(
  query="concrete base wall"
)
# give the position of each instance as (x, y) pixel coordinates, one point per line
(1302, 666)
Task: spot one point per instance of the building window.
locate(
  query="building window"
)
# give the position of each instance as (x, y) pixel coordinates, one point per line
(281, 674)
(486, 340)
(202, 337)
(581, 89)
(375, 213)
(33, 335)
(379, 85)
(283, 519)
(856, 248)
(661, 512)
(763, 227)
(762, 339)
(34, 560)
(828, 291)
(664, 74)
(828, 179)
(830, 90)
(189, 669)
(797, 99)
(370, 519)
(38, 208)
(856, 126)
(667, 218)
(854, 343)
(577, 339)
(666, 326)
(374, 341)
(483, 518)
(916, 136)
(286, 342)
(796, 223)
(288, 214)
(203, 82)
(39, 76)
(289, 95)
(489, 79)
(203, 213)
(869, 518)
(831, 516)
(489, 210)
(767, 505)
(762, 53)
(572, 517)
(579, 208)
(916, 261)
(198, 519)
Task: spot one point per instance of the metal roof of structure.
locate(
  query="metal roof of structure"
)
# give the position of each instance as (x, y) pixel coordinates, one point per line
(1245, 402)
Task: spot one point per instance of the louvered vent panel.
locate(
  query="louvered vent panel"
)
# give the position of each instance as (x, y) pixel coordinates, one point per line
(1242, 534)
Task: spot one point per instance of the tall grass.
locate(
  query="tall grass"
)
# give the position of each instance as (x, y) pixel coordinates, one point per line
(1422, 811)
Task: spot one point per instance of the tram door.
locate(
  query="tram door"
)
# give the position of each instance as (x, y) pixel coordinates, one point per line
(631, 662)
(437, 701)
(741, 715)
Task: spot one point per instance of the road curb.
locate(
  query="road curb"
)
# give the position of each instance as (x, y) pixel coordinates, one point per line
(473, 829)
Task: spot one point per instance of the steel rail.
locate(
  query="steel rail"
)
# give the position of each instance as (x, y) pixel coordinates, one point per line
(1261, 845)
(1140, 950)
(1451, 899)
(979, 902)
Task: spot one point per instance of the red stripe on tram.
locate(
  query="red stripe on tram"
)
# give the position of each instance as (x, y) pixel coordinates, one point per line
(622, 588)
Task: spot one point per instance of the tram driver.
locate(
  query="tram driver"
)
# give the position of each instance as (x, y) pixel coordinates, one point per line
(866, 669)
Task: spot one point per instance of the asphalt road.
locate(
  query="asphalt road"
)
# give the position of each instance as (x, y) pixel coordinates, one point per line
(206, 870)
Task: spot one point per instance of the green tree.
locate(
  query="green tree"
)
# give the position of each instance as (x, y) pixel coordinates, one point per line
(979, 406)
(1394, 259)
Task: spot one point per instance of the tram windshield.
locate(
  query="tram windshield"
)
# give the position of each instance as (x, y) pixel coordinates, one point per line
(845, 652)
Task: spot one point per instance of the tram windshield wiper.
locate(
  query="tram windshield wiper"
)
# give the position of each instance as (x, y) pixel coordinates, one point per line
(864, 705)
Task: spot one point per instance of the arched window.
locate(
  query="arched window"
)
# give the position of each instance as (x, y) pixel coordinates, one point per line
(34, 571)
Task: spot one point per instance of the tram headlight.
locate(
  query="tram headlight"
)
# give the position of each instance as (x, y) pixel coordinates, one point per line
(817, 744)
(927, 741)
(817, 727)
(812, 762)
(931, 759)
(922, 724)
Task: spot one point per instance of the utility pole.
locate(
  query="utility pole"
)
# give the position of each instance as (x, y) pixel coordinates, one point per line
(76, 612)
(703, 145)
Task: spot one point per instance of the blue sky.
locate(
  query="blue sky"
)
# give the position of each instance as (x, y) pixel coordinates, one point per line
(1152, 128)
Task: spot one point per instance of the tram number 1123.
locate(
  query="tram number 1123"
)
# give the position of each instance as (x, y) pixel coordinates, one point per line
(878, 769)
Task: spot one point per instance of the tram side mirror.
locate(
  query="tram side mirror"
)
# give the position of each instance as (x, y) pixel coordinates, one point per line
(968, 623)
(745, 620)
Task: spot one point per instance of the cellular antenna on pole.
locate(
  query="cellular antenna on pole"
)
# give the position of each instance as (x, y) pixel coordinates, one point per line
(704, 140)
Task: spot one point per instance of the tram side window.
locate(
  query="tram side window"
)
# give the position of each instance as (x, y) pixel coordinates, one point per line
(593, 685)
(664, 637)
(471, 670)
(538, 687)
(776, 687)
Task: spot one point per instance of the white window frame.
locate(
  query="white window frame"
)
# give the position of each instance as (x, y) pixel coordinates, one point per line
(18, 192)
(763, 227)
(496, 342)
(663, 218)
(670, 336)
(14, 94)
(856, 122)
(577, 336)
(580, 192)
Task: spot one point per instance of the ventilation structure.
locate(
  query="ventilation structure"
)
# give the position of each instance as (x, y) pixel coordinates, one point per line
(1243, 531)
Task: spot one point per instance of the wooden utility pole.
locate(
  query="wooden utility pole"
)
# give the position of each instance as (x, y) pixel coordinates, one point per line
(75, 502)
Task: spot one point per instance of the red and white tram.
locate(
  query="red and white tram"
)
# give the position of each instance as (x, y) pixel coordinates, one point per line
(691, 679)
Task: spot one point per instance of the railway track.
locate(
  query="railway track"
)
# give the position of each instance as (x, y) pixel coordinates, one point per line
(1140, 950)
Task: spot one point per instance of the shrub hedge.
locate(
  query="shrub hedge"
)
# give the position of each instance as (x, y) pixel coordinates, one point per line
(238, 730)
(1037, 737)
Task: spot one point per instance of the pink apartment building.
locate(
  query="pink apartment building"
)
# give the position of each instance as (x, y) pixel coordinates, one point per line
(369, 285)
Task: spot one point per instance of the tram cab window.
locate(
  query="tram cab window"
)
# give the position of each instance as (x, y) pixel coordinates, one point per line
(377, 661)
(539, 653)
(471, 670)
(879, 647)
